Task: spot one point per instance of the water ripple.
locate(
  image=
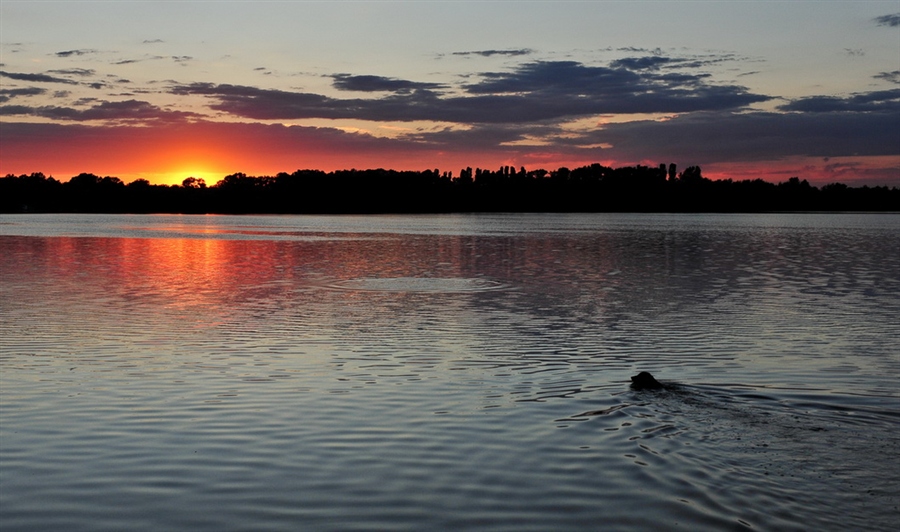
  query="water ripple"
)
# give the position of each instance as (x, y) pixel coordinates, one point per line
(417, 284)
(408, 374)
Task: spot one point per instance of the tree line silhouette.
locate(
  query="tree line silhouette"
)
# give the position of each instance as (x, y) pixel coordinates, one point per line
(594, 188)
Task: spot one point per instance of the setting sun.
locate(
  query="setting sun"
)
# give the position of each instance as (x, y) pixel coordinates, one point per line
(177, 177)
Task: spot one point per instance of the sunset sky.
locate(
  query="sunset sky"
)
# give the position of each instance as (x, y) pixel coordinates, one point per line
(163, 90)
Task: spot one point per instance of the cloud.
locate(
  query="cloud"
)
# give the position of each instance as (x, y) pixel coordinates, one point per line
(75, 71)
(586, 90)
(626, 78)
(262, 104)
(149, 58)
(36, 78)
(489, 53)
(347, 82)
(893, 77)
(654, 51)
(129, 110)
(69, 53)
(12, 110)
(642, 63)
(519, 113)
(710, 137)
(886, 100)
(500, 137)
(181, 59)
(536, 91)
(555, 77)
(713, 137)
(153, 41)
(8, 94)
(888, 20)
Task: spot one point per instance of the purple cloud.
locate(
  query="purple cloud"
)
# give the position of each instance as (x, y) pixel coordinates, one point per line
(538, 91)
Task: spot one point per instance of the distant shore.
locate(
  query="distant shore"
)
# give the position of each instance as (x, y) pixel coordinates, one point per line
(593, 188)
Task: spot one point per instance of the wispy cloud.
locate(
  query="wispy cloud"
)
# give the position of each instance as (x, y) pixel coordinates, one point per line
(893, 76)
(132, 61)
(36, 78)
(489, 53)
(69, 53)
(181, 59)
(347, 82)
(74, 71)
(892, 20)
(643, 63)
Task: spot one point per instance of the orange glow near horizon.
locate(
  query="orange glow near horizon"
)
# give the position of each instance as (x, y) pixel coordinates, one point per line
(163, 170)
(167, 155)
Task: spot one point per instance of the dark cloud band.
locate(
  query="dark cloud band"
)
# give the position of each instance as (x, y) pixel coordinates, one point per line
(536, 91)
(129, 110)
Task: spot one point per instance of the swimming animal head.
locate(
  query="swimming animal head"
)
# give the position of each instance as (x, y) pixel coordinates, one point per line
(645, 381)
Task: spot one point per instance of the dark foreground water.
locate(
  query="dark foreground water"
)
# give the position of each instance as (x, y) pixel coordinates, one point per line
(417, 373)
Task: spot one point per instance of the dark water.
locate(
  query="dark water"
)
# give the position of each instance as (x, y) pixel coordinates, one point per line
(449, 372)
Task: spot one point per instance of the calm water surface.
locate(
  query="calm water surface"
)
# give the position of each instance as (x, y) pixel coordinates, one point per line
(449, 372)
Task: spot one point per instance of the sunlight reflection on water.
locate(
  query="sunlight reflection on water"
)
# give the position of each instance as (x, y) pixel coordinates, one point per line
(449, 372)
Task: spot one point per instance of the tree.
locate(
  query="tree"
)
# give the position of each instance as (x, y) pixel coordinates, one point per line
(690, 175)
(193, 182)
(83, 181)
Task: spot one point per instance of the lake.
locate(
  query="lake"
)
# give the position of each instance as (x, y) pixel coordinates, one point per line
(449, 372)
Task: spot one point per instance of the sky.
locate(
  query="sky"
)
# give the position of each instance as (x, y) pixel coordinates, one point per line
(164, 90)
